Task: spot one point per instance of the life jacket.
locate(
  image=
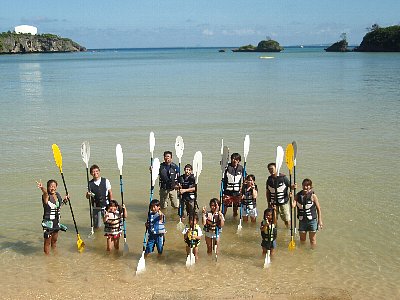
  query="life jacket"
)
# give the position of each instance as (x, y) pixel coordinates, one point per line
(168, 176)
(51, 212)
(113, 225)
(248, 201)
(187, 182)
(195, 232)
(212, 222)
(100, 192)
(305, 206)
(265, 233)
(282, 186)
(155, 227)
(233, 180)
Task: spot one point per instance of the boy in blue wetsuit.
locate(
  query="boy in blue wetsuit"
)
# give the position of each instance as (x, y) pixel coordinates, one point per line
(155, 228)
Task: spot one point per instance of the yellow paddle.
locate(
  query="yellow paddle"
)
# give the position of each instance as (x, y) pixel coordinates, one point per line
(289, 155)
(58, 159)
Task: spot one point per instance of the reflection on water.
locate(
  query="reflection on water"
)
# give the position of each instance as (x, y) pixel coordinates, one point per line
(30, 79)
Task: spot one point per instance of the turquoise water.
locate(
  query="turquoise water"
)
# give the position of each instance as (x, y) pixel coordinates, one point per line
(342, 109)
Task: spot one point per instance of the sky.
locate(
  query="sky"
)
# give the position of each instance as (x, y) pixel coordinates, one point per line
(200, 23)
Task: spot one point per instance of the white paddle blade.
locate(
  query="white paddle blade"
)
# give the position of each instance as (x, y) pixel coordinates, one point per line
(197, 165)
(180, 226)
(222, 146)
(155, 170)
(246, 146)
(120, 157)
(141, 265)
(279, 158)
(267, 260)
(239, 229)
(85, 152)
(179, 147)
(152, 143)
(190, 260)
(295, 152)
(224, 158)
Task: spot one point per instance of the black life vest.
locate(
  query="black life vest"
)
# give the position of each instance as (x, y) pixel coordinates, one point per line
(233, 180)
(282, 185)
(113, 225)
(51, 212)
(306, 208)
(195, 232)
(168, 176)
(100, 192)
(187, 182)
(248, 201)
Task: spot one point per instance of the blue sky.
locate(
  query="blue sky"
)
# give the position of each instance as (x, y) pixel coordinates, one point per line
(193, 23)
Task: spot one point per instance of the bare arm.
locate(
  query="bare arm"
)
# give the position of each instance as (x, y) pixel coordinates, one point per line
(45, 195)
(315, 199)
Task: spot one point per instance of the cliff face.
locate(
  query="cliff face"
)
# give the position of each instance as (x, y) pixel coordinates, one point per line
(11, 43)
(381, 40)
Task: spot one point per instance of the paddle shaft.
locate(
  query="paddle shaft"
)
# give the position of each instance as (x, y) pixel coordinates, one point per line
(294, 209)
(90, 198)
(69, 202)
(122, 203)
(291, 205)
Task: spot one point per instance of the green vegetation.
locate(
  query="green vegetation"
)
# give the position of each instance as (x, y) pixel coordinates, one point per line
(381, 39)
(267, 45)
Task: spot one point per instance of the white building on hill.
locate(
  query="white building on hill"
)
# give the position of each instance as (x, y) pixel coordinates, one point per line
(26, 29)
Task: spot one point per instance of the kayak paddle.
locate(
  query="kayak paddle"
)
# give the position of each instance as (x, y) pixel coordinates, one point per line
(179, 146)
(289, 163)
(154, 174)
(197, 168)
(120, 163)
(58, 159)
(246, 148)
(85, 153)
(294, 180)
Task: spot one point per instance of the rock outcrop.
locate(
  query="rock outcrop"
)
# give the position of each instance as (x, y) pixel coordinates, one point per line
(263, 46)
(13, 43)
(341, 46)
(381, 39)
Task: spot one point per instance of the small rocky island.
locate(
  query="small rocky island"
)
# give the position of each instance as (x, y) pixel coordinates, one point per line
(19, 43)
(381, 39)
(263, 46)
(340, 46)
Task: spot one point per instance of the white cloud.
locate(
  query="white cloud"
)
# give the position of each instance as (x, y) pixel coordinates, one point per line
(208, 32)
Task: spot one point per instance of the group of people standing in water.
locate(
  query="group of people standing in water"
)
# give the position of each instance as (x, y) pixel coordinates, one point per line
(238, 190)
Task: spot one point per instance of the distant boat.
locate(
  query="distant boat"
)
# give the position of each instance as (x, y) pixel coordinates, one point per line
(266, 57)
(301, 46)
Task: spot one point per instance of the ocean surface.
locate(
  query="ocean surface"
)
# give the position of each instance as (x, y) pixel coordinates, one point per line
(342, 109)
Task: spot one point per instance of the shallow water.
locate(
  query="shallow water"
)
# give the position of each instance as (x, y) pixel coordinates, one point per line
(342, 109)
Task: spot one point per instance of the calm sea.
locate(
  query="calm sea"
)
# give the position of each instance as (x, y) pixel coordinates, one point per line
(343, 110)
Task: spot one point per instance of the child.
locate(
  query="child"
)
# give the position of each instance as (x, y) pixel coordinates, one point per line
(155, 228)
(308, 213)
(249, 197)
(213, 221)
(193, 236)
(113, 223)
(268, 231)
(52, 202)
(187, 189)
(232, 183)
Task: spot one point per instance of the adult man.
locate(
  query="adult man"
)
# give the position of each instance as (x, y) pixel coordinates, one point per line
(168, 181)
(232, 184)
(100, 194)
(277, 193)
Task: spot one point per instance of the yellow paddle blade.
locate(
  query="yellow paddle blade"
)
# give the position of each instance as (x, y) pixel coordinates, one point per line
(292, 245)
(80, 244)
(57, 156)
(289, 155)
